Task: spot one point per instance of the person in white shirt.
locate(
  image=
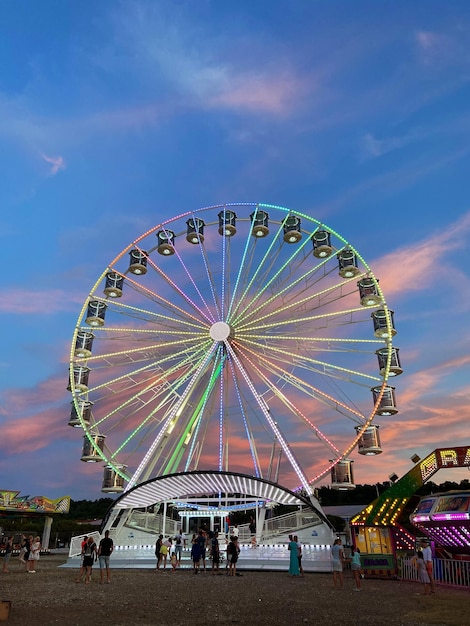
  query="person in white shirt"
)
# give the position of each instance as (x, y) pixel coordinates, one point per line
(427, 556)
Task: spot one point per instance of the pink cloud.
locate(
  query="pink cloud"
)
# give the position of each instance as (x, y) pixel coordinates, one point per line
(35, 432)
(424, 260)
(57, 163)
(30, 302)
(275, 95)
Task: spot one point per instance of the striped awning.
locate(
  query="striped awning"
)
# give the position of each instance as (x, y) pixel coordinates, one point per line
(206, 484)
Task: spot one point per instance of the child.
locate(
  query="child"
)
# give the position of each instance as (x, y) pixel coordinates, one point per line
(423, 575)
(174, 562)
(356, 567)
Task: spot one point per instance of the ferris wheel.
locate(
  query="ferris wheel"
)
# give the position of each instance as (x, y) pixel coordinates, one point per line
(240, 337)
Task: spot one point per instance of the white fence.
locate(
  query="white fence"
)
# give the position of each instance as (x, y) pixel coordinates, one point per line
(445, 571)
(76, 542)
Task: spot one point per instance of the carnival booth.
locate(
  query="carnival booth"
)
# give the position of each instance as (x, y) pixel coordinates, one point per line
(378, 531)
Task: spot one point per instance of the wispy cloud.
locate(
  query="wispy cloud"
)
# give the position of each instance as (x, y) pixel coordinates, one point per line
(34, 302)
(180, 56)
(424, 259)
(374, 147)
(57, 163)
(438, 50)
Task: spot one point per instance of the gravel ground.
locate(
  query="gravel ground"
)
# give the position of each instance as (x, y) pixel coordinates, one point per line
(146, 597)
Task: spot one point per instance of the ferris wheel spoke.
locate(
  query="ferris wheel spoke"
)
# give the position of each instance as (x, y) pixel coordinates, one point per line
(196, 436)
(144, 353)
(341, 317)
(310, 391)
(245, 277)
(274, 426)
(210, 315)
(317, 366)
(149, 367)
(171, 394)
(245, 419)
(178, 314)
(271, 283)
(294, 301)
(178, 290)
(189, 430)
(168, 423)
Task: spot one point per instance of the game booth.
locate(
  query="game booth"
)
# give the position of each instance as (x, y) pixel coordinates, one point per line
(13, 506)
(379, 531)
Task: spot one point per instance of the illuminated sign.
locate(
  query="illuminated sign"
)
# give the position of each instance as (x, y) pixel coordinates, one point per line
(444, 457)
(384, 561)
(11, 501)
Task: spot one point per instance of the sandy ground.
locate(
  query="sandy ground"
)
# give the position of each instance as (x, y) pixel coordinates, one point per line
(144, 597)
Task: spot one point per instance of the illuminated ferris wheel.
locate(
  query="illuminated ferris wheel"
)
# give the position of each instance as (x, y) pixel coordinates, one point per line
(242, 337)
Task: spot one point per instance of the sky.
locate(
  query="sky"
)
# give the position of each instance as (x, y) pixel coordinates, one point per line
(117, 115)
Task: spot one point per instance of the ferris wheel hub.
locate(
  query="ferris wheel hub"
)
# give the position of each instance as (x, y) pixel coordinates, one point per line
(220, 331)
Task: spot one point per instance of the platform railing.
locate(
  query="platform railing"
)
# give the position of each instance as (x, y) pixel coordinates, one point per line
(445, 571)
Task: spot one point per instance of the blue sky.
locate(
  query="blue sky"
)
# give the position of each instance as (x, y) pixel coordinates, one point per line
(117, 115)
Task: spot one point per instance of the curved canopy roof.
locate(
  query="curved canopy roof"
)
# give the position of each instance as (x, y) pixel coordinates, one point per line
(204, 484)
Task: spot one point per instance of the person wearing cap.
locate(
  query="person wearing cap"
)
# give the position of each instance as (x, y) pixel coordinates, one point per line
(427, 556)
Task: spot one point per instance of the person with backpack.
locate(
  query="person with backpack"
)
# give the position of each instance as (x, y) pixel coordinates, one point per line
(179, 545)
(90, 554)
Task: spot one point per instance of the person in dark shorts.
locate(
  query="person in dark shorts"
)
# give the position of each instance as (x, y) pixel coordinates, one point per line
(233, 551)
(89, 557)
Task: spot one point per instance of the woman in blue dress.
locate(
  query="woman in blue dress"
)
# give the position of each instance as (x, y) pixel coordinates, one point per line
(294, 557)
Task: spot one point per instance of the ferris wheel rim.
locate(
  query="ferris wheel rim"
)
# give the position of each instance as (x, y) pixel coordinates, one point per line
(220, 326)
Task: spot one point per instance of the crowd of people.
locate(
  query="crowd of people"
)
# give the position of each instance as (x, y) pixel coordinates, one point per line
(30, 550)
(337, 562)
(90, 553)
(205, 544)
(423, 563)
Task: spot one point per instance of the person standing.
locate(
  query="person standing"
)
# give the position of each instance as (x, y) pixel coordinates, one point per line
(427, 556)
(22, 550)
(7, 556)
(235, 531)
(423, 575)
(195, 554)
(337, 559)
(173, 562)
(202, 541)
(158, 545)
(233, 551)
(356, 567)
(105, 550)
(299, 555)
(215, 553)
(81, 572)
(294, 557)
(34, 555)
(164, 550)
(179, 545)
(89, 556)
(27, 551)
